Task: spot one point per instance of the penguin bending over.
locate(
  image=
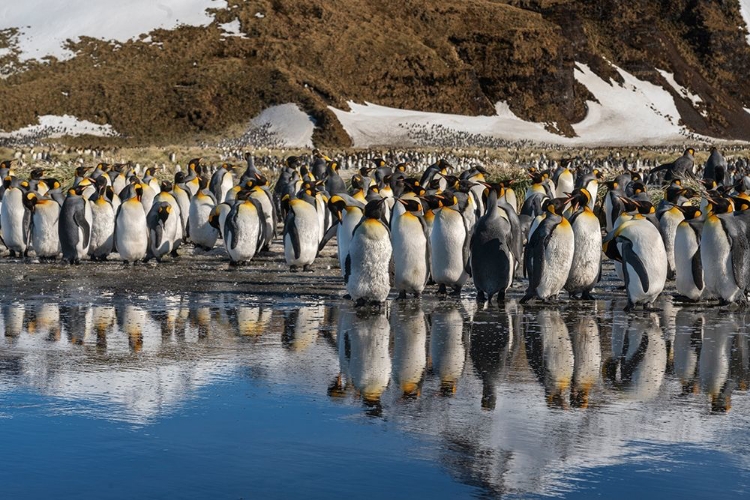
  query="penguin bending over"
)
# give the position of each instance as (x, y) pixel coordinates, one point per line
(163, 230)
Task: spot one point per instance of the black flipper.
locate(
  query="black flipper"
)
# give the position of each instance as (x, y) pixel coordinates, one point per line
(290, 228)
(159, 231)
(697, 270)
(329, 234)
(347, 268)
(230, 225)
(629, 257)
(80, 220)
(425, 230)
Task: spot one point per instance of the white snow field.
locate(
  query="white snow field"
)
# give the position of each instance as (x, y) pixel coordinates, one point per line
(52, 126)
(289, 123)
(634, 113)
(745, 11)
(46, 25)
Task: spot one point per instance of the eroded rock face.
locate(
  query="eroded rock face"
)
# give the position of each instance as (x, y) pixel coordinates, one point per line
(452, 56)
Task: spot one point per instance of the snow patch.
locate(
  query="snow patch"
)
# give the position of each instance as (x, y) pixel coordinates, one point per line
(684, 92)
(52, 126)
(232, 29)
(634, 113)
(289, 123)
(46, 26)
(745, 12)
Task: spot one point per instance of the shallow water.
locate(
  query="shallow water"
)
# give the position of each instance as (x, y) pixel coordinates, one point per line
(218, 396)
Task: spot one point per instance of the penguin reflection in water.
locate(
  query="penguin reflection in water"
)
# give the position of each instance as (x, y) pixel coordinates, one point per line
(367, 266)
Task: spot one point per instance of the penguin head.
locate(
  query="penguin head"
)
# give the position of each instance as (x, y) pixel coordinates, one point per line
(337, 205)
(7, 182)
(179, 177)
(411, 205)
(375, 209)
(554, 206)
(163, 211)
(76, 190)
(81, 171)
(36, 174)
(740, 204)
(165, 186)
(401, 167)
(709, 183)
(202, 182)
(638, 188)
(103, 167)
(30, 200)
(53, 183)
(292, 162)
(194, 165)
(213, 217)
(6, 164)
(612, 185)
(719, 204)
(138, 191)
(645, 207)
(690, 212)
(379, 162)
(357, 182)
(244, 194)
(689, 152)
(579, 198)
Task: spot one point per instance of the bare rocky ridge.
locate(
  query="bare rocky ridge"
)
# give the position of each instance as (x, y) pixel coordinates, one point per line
(459, 56)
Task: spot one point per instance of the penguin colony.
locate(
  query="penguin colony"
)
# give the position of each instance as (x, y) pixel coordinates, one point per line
(399, 228)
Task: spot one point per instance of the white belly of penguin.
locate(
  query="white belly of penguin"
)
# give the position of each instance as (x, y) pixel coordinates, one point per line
(716, 257)
(447, 242)
(102, 229)
(370, 256)
(132, 232)
(45, 238)
(246, 236)
(201, 232)
(586, 264)
(11, 220)
(649, 247)
(308, 229)
(410, 253)
(669, 222)
(558, 257)
(685, 247)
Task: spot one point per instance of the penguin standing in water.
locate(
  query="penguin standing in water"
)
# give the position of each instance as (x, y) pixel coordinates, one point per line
(687, 255)
(244, 229)
(131, 229)
(102, 221)
(45, 214)
(411, 247)
(492, 260)
(301, 230)
(638, 245)
(725, 252)
(586, 267)
(163, 229)
(202, 234)
(15, 218)
(449, 244)
(549, 253)
(366, 273)
(75, 225)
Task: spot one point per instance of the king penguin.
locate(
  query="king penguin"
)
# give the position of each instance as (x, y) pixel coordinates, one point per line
(410, 243)
(586, 267)
(102, 221)
(131, 229)
(549, 253)
(449, 244)
(367, 266)
(15, 218)
(687, 257)
(163, 229)
(244, 229)
(301, 230)
(45, 214)
(75, 225)
(202, 234)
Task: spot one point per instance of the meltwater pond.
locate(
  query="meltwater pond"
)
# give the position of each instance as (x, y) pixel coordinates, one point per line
(222, 396)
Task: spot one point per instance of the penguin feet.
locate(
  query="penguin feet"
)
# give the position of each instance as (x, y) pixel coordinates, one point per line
(347, 297)
(293, 269)
(442, 290)
(456, 292)
(402, 295)
(12, 254)
(526, 298)
(417, 295)
(629, 307)
(481, 299)
(587, 295)
(500, 299)
(307, 268)
(360, 302)
(174, 254)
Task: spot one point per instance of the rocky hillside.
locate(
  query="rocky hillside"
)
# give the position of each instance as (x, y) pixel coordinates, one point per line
(451, 56)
